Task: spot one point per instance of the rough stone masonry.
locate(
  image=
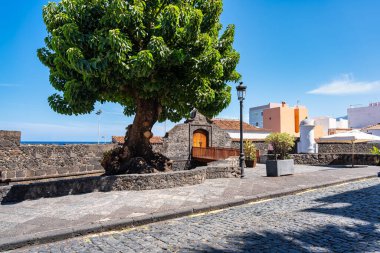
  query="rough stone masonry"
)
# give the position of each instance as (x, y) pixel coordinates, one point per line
(18, 162)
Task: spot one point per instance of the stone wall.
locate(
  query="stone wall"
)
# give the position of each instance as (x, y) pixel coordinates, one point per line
(335, 159)
(260, 145)
(9, 139)
(62, 187)
(178, 142)
(24, 162)
(345, 148)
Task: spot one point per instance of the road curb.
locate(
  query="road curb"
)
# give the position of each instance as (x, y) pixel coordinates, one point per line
(119, 224)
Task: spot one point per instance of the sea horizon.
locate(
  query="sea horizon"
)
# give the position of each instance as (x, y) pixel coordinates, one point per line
(61, 142)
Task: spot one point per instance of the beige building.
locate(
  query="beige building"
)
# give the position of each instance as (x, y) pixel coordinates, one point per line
(284, 119)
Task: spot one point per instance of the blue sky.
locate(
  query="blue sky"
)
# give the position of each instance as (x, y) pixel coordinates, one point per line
(324, 53)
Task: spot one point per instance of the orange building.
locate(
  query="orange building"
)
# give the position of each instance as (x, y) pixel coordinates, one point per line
(285, 119)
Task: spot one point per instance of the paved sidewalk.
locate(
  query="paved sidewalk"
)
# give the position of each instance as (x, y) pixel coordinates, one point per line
(339, 219)
(50, 216)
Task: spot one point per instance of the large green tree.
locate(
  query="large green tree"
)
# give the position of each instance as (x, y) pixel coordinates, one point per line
(156, 58)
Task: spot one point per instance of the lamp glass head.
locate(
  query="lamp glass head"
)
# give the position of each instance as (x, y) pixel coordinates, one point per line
(241, 91)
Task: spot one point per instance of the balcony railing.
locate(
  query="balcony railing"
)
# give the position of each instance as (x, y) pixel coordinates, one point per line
(213, 154)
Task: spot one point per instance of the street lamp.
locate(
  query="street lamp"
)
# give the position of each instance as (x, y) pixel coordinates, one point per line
(98, 113)
(241, 96)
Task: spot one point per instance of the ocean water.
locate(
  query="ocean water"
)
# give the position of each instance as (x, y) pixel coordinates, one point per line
(61, 142)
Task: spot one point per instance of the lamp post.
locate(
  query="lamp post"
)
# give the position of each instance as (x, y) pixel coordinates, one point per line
(241, 89)
(98, 113)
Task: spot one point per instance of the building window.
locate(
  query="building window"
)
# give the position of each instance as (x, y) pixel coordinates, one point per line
(257, 123)
(262, 113)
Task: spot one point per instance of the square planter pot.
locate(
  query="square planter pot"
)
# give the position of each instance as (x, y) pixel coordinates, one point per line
(250, 163)
(276, 168)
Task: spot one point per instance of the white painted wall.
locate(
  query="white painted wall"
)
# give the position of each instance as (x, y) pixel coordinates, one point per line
(342, 123)
(374, 132)
(326, 123)
(307, 144)
(256, 117)
(256, 114)
(364, 116)
(248, 135)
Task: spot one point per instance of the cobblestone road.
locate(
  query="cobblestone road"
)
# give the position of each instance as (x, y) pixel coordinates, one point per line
(343, 218)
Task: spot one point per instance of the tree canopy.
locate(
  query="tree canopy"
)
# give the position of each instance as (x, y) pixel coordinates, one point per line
(170, 51)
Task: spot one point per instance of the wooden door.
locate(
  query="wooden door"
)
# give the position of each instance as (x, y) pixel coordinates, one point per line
(200, 139)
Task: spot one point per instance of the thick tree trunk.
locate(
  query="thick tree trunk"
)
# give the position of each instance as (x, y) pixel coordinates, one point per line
(139, 133)
(136, 155)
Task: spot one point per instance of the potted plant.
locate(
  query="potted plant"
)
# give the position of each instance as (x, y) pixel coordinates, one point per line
(280, 164)
(250, 154)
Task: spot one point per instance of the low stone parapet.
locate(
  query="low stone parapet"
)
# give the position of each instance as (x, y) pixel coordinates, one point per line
(132, 182)
(28, 162)
(346, 148)
(335, 159)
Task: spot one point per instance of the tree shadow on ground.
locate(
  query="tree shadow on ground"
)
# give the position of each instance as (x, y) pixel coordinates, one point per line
(359, 233)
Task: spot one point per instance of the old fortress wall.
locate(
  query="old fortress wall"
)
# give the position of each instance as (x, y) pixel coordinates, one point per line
(22, 162)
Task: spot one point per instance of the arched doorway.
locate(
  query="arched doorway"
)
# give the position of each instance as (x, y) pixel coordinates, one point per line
(200, 138)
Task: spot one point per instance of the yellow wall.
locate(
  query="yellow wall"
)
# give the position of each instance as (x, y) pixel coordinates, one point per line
(300, 113)
(284, 119)
(271, 119)
(287, 120)
(318, 132)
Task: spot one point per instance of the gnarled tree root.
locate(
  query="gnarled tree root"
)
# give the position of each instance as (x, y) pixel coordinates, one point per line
(119, 161)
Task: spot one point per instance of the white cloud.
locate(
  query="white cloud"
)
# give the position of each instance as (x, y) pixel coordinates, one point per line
(346, 85)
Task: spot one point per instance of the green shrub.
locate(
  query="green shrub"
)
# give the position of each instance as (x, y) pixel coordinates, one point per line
(282, 143)
(249, 150)
(375, 151)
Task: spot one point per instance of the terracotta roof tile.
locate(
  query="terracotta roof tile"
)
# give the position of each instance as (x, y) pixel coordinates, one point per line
(153, 140)
(118, 139)
(232, 124)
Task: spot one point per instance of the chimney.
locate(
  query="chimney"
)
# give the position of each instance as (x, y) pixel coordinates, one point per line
(283, 104)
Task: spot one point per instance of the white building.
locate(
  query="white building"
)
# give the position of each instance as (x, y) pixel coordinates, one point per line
(342, 123)
(307, 142)
(328, 123)
(361, 117)
(375, 130)
(256, 114)
(232, 127)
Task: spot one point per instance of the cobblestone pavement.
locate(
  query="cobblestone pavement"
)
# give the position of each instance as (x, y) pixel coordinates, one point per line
(40, 217)
(343, 218)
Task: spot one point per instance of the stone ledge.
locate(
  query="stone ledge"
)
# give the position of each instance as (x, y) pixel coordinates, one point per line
(132, 182)
(335, 159)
